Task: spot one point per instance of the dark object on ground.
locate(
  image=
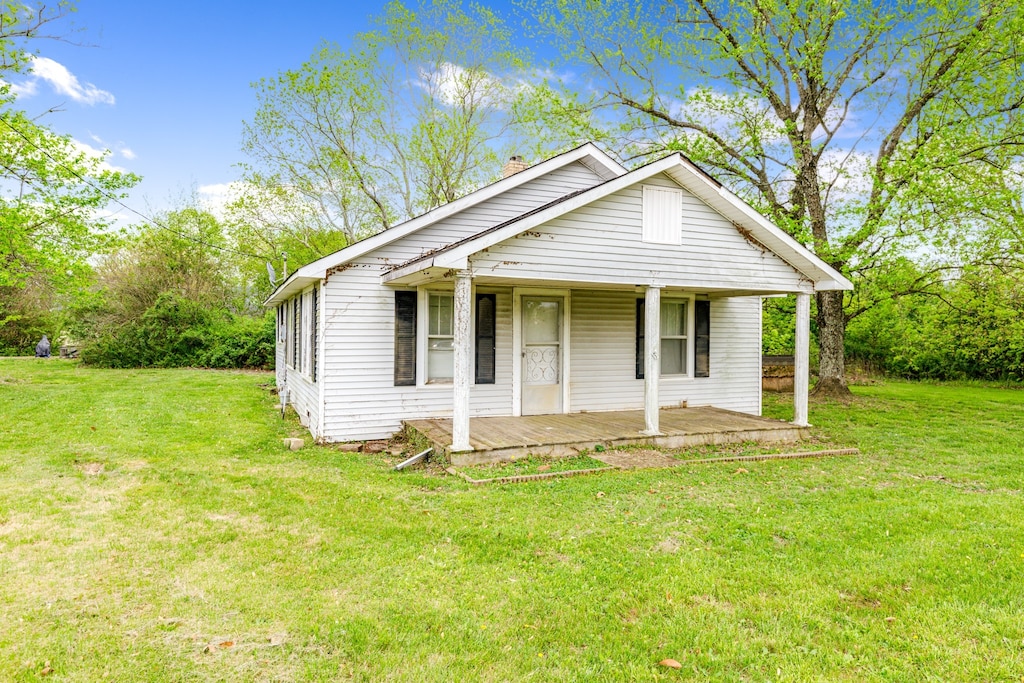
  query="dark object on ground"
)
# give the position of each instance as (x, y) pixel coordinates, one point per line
(43, 348)
(69, 352)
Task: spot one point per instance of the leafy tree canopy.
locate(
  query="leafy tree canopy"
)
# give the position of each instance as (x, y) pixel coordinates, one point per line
(51, 191)
(870, 131)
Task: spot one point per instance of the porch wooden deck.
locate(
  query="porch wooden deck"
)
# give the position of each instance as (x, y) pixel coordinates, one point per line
(496, 439)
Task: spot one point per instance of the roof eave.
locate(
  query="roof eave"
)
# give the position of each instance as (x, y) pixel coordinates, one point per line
(588, 154)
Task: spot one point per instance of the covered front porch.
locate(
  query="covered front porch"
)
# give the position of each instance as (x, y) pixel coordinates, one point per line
(495, 439)
(557, 411)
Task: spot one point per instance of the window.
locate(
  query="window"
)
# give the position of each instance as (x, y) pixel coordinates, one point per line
(675, 338)
(439, 332)
(440, 337)
(314, 314)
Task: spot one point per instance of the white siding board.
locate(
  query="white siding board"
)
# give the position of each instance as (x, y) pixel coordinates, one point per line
(303, 395)
(602, 242)
(603, 356)
(360, 399)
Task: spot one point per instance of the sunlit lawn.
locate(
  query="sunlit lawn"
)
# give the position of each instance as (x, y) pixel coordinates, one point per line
(152, 527)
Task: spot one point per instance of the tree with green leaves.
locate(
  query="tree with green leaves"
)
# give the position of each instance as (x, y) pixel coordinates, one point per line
(870, 131)
(419, 111)
(51, 192)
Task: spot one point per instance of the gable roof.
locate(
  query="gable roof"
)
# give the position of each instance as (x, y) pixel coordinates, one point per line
(587, 154)
(687, 175)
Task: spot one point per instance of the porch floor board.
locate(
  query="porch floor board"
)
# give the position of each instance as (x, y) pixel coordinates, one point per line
(495, 439)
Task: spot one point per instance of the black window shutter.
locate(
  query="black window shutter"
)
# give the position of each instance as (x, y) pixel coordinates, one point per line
(405, 339)
(486, 325)
(702, 355)
(314, 312)
(296, 342)
(639, 338)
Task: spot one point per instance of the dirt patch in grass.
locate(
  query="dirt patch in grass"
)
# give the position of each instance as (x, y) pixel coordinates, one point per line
(631, 459)
(91, 469)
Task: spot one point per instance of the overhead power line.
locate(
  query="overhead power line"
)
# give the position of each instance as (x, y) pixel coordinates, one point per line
(113, 198)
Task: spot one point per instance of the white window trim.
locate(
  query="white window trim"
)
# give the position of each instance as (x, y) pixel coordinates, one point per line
(422, 332)
(691, 323)
(691, 327)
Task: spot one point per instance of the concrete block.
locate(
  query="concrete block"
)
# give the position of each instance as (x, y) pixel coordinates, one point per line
(294, 444)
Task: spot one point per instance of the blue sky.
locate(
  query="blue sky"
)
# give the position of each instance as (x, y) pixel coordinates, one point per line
(171, 81)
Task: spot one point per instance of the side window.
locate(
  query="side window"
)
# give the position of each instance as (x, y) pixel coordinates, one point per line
(440, 337)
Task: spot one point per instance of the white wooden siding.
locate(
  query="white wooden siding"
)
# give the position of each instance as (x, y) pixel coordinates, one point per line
(360, 399)
(304, 395)
(356, 392)
(603, 348)
(602, 243)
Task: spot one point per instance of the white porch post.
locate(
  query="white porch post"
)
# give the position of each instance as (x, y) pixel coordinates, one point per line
(652, 358)
(801, 377)
(462, 357)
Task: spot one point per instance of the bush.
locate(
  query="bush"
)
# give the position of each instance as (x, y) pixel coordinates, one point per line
(974, 331)
(177, 332)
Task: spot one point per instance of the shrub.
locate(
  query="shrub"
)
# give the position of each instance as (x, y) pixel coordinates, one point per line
(177, 332)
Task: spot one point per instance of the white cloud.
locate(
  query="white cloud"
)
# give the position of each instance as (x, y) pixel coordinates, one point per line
(116, 148)
(453, 84)
(95, 153)
(62, 81)
(216, 196)
(26, 89)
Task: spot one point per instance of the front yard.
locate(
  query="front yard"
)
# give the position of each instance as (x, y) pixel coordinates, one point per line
(152, 527)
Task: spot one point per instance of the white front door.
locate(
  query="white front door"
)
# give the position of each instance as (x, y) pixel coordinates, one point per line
(542, 355)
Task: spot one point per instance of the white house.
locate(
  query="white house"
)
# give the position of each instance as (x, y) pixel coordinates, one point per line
(571, 285)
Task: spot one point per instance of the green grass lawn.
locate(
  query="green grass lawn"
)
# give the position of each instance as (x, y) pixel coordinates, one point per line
(152, 527)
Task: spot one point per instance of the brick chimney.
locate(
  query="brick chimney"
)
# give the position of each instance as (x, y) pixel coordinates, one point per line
(513, 165)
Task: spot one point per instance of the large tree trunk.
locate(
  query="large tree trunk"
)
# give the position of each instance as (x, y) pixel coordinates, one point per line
(831, 338)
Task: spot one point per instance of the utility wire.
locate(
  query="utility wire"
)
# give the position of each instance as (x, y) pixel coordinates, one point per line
(114, 198)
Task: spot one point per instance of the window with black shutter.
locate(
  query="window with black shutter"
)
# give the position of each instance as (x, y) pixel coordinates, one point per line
(702, 350)
(486, 326)
(674, 340)
(405, 339)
